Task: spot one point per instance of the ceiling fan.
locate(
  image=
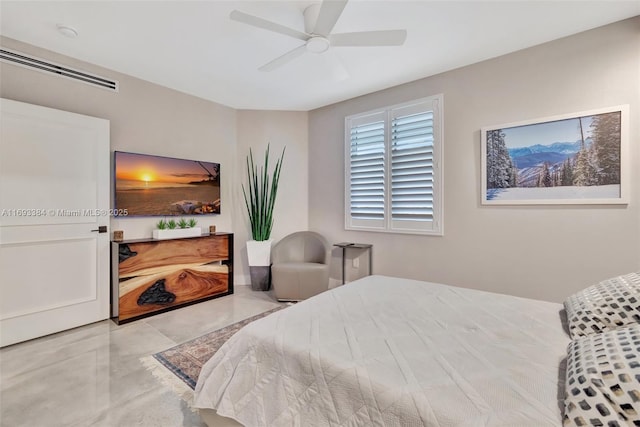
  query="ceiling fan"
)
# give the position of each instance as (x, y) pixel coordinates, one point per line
(319, 20)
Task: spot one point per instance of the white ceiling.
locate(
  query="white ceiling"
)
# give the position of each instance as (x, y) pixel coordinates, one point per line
(195, 48)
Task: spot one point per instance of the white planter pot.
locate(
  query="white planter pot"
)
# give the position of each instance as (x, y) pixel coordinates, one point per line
(177, 233)
(259, 253)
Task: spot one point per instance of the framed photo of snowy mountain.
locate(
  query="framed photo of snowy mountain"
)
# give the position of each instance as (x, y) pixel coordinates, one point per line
(578, 158)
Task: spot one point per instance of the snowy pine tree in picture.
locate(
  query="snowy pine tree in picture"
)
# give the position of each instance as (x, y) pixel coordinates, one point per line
(607, 147)
(499, 163)
(567, 173)
(568, 159)
(545, 176)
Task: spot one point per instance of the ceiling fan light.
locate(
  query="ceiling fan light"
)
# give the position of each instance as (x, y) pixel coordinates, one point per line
(67, 31)
(317, 44)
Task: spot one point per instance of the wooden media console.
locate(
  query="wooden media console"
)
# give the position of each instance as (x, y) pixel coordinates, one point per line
(153, 276)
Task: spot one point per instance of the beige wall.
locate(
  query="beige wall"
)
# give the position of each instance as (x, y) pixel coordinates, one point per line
(544, 252)
(279, 129)
(147, 118)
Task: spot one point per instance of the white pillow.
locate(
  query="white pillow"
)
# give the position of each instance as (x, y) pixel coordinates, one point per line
(602, 386)
(608, 305)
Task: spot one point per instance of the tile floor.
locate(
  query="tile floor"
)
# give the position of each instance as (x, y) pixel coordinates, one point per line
(92, 375)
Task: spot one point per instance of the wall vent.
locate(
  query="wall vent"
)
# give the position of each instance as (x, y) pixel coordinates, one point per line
(31, 62)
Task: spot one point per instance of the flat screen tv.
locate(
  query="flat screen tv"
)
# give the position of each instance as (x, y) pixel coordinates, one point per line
(147, 185)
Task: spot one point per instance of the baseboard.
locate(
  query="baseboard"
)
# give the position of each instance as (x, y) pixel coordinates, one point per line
(241, 280)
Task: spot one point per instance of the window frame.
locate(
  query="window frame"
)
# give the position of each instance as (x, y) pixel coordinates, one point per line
(435, 227)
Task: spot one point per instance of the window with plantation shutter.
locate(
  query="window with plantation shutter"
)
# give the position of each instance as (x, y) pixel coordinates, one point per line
(367, 178)
(393, 168)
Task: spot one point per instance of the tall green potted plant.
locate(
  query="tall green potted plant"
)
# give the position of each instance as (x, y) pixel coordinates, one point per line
(260, 199)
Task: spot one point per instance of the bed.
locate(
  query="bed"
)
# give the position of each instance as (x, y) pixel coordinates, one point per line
(383, 351)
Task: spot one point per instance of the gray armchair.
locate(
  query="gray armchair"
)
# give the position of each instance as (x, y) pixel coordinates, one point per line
(300, 266)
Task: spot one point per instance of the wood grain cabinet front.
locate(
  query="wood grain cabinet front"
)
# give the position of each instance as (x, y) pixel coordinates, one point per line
(154, 276)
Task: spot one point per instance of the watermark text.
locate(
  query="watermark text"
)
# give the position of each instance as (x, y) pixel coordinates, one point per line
(33, 212)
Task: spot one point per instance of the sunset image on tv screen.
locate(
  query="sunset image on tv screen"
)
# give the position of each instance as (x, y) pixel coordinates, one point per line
(154, 186)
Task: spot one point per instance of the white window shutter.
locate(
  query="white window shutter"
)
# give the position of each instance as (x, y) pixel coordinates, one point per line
(412, 167)
(393, 168)
(367, 171)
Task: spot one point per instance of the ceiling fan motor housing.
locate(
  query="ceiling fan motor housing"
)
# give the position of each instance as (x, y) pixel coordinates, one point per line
(317, 44)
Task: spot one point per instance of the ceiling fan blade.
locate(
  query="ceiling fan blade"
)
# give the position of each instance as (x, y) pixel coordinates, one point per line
(336, 66)
(281, 60)
(370, 38)
(245, 18)
(330, 12)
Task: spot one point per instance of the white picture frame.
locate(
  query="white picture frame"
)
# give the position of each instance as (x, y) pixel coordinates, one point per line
(575, 158)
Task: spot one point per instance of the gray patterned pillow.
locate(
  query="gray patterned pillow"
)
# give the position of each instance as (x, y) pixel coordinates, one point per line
(609, 304)
(602, 386)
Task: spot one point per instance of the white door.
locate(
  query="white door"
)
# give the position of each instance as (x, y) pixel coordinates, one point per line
(54, 195)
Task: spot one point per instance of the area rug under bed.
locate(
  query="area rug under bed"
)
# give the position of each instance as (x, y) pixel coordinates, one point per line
(185, 360)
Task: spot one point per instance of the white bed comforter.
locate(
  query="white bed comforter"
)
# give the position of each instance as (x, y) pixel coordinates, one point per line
(384, 351)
